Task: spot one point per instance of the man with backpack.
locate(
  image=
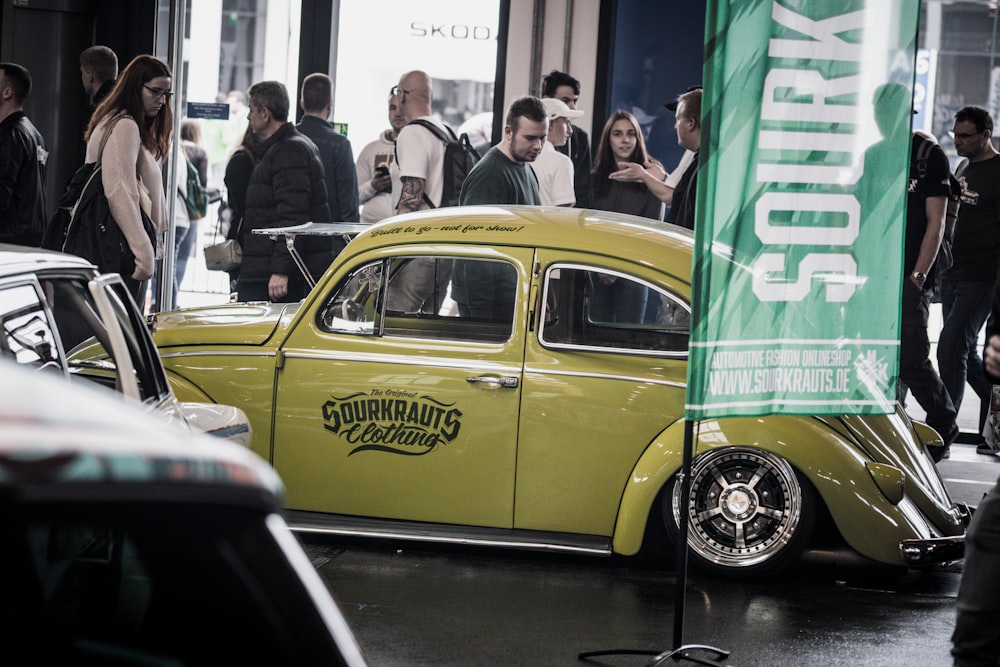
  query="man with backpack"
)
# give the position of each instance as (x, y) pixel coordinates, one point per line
(418, 170)
(417, 180)
(929, 192)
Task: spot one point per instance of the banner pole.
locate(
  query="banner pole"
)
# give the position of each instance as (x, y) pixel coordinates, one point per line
(680, 651)
(683, 528)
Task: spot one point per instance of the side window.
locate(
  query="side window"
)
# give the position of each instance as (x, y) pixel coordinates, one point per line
(599, 309)
(87, 339)
(426, 297)
(82, 332)
(28, 336)
(352, 307)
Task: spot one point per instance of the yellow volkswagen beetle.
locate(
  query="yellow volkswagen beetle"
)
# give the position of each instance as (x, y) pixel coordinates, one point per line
(516, 376)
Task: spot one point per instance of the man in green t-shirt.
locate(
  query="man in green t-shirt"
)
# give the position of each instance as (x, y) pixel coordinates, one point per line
(486, 289)
(503, 175)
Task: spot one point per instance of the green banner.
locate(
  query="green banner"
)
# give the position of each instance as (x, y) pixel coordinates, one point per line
(801, 207)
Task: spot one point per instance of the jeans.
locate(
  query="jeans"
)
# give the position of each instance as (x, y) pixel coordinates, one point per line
(976, 639)
(965, 306)
(915, 368)
(184, 242)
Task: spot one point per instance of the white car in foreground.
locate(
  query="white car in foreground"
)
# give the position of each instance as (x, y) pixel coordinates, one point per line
(130, 542)
(59, 316)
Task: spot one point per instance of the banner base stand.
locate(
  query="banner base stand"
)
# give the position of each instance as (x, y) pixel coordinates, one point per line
(676, 655)
(680, 651)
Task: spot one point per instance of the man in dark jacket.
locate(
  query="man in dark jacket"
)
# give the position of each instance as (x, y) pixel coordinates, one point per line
(286, 188)
(98, 72)
(334, 149)
(23, 214)
(976, 639)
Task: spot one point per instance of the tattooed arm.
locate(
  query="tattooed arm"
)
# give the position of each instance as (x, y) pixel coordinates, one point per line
(412, 196)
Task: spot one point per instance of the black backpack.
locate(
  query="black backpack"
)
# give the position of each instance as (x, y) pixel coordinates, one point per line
(945, 258)
(459, 159)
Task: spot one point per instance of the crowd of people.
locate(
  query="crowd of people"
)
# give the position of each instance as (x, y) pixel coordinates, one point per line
(279, 173)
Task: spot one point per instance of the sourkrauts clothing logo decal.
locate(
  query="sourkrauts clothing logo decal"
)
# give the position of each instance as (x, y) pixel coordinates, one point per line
(397, 422)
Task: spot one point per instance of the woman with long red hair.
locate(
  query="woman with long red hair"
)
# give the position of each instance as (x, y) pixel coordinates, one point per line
(131, 130)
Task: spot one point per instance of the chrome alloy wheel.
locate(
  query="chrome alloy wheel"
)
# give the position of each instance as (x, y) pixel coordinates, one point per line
(747, 511)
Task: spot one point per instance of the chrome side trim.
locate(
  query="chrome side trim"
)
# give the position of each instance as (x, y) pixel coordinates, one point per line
(214, 353)
(399, 360)
(627, 378)
(347, 526)
(658, 354)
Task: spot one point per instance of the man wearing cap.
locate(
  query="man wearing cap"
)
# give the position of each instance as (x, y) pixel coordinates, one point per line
(553, 169)
(566, 89)
(688, 126)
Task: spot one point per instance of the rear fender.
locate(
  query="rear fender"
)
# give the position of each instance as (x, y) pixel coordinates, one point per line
(868, 521)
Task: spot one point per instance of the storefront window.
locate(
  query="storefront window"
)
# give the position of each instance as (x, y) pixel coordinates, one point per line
(454, 41)
(959, 42)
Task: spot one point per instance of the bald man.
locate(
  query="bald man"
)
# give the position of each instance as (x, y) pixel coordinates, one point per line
(418, 172)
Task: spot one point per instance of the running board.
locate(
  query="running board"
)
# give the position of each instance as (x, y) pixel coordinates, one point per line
(352, 526)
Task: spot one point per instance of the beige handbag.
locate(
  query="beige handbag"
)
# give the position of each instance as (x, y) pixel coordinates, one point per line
(224, 256)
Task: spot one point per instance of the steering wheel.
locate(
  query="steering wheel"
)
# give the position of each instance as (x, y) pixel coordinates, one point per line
(351, 311)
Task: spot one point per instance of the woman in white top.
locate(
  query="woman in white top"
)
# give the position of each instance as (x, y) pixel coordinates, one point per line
(138, 142)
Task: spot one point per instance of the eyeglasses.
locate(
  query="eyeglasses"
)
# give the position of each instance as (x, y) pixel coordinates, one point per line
(396, 90)
(160, 92)
(963, 135)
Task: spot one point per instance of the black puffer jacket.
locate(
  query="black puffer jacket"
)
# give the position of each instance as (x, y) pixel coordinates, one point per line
(286, 188)
(23, 214)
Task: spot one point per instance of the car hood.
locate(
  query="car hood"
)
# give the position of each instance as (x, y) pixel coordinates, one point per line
(231, 324)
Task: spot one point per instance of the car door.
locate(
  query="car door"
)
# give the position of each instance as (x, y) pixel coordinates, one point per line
(72, 322)
(605, 373)
(398, 391)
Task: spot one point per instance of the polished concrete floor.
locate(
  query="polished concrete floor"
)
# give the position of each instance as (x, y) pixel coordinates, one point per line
(424, 605)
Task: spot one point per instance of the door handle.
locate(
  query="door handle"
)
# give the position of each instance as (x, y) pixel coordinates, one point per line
(505, 381)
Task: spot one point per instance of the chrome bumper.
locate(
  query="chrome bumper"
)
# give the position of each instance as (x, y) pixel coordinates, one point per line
(932, 550)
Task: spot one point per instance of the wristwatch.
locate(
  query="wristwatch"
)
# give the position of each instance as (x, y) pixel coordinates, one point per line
(919, 277)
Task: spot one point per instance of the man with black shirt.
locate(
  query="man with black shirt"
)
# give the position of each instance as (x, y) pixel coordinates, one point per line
(967, 287)
(929, 188)
(98, 71)
(688, 126)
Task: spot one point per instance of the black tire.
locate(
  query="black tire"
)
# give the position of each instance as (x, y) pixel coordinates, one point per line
(751, 514)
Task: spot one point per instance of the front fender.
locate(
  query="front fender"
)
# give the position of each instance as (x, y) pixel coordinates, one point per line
(865, 517)
(185, 390)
